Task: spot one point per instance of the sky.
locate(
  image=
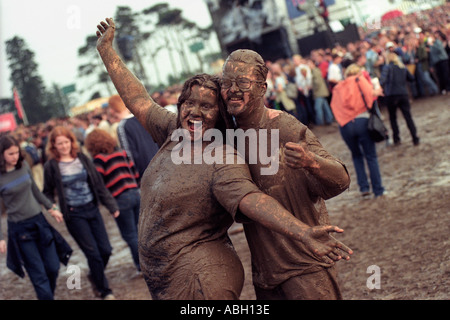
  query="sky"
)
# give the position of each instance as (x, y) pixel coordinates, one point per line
(55, 29)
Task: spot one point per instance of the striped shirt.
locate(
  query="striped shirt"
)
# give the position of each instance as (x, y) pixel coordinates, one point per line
(119, 173)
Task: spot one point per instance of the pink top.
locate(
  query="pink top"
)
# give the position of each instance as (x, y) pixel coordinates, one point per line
(347, 102)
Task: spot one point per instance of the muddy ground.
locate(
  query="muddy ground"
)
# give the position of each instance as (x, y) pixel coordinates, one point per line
(405, 233)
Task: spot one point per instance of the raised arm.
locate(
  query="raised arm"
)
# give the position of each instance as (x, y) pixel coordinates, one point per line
(130, 88)
(265, 210)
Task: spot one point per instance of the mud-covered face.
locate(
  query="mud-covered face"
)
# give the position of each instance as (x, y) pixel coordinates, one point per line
(246, 90)
(200, 110)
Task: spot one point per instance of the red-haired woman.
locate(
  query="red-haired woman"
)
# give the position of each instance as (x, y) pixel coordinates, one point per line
(119, 175)
(80, 190)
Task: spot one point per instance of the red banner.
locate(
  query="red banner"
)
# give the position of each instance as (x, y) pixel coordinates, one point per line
(7, 122)
(18, 104)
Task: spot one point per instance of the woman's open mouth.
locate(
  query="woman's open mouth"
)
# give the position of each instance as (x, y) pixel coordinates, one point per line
(194, 125)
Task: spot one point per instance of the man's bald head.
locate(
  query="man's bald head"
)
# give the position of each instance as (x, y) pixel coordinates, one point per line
(252, 58)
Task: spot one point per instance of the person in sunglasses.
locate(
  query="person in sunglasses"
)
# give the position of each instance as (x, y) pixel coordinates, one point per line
(307, 176)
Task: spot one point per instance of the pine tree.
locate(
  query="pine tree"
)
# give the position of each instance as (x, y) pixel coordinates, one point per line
(29, 84)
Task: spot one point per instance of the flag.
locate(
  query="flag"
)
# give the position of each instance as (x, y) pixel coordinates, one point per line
(7, 122)
(19, 108)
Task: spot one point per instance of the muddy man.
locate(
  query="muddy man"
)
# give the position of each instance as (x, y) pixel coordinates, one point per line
(307, 175)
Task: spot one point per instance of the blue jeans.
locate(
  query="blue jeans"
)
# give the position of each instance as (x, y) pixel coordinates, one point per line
(129, 203)
(362, 147)
(86, 226)
(424, 79)
(322, 111)
(39, 255)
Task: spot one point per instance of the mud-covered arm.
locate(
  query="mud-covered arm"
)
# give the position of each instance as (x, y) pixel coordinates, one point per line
(331, 175)
(129, 87)
(233, 187)
(267, 211)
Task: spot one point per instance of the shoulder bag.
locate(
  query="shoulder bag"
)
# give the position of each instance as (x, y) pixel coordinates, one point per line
(375, 126)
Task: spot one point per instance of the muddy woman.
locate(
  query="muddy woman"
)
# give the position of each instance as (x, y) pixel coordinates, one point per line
(187, 208)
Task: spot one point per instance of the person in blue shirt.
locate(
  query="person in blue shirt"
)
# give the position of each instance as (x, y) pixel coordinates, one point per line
(32, 242)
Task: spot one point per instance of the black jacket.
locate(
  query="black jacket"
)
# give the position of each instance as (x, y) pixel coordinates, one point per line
(36, 228)
(137, 142)
(53, 181)
(394, 80)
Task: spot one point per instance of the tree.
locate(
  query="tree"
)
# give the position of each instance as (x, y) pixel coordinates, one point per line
(140, 37)
(129, 38)
(24, 76)
(93, 66)
(179, 34)
(157, 34)
(172, 22)
(58, 101)
(152, 51)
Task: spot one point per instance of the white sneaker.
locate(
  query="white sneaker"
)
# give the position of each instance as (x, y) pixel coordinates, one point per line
(383, 194)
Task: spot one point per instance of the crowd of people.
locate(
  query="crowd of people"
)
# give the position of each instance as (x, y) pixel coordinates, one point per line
(100, 158)
(83, 162)
(420, 40)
